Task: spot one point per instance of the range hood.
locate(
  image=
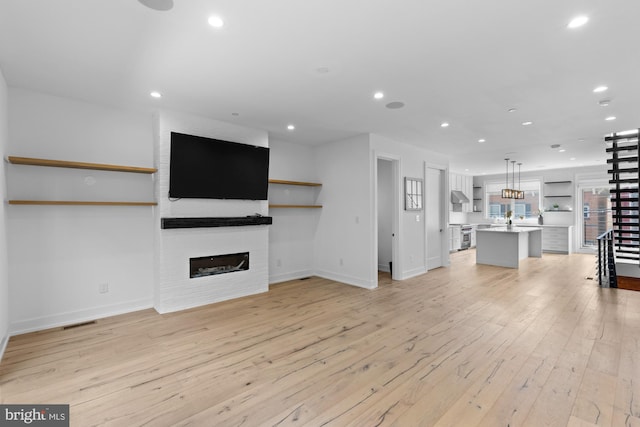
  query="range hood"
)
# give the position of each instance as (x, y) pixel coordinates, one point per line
(458, 197)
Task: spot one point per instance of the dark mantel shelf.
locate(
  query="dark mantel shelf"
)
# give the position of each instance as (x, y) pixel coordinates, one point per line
(223, 221)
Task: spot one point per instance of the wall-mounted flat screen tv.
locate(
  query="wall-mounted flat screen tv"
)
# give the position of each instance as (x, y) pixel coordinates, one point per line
(206, 168)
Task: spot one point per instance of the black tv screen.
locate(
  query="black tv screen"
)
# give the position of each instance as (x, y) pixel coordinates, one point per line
(206, 168)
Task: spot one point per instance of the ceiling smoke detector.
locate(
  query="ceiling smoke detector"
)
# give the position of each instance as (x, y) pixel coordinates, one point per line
(161, 5)
(395, 105)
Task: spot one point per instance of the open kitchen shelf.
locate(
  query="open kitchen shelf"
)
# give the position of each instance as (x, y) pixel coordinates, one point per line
(564, 186)
(477, 198)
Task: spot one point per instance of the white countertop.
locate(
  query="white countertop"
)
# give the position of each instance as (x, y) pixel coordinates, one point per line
(504, 229)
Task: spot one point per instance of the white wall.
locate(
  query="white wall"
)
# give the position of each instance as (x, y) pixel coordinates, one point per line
(385, 213)
(4, 276)
(174, 289)
(344, 246)
(59, 255)
(293, 231)
(412, 242)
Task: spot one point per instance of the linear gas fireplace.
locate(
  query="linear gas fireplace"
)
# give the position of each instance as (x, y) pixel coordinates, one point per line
(218, 264)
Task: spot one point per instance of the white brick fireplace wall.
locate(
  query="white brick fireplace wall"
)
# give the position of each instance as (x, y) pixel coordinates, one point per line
(174, 290)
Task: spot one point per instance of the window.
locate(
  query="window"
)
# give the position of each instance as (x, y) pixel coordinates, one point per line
(528, 207)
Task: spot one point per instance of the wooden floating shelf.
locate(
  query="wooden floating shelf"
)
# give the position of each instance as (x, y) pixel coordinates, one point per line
(78, 203)
(558, 182)
(560, 195)
(297, 206)
(306, 184)
(78, 165)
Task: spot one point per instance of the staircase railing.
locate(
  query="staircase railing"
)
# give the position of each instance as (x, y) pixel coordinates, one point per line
(607, 260)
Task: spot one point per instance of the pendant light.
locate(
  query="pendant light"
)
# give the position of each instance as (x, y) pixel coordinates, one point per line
(519, 192)
(507, 193)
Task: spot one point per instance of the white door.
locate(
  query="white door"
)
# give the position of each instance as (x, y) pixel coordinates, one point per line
(434, 217)
(593, 213)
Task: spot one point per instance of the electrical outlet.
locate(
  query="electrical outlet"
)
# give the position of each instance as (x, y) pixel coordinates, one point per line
(341, 262)
(279, 263)
(103, 288)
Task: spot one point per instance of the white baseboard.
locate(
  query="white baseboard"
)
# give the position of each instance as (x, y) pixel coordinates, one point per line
(413, 273)
(353, 281)
(279, 278)
(3, 345)
(70, 318)
(174, 308)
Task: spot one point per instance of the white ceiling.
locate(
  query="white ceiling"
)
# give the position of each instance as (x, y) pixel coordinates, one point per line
(317, 63)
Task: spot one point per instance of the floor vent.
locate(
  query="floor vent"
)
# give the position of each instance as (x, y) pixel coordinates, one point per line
(77, 325)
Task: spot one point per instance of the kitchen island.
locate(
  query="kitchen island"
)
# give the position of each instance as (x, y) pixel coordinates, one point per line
(505, 247)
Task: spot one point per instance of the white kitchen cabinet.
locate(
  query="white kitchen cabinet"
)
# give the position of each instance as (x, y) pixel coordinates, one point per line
(454, 238)
(557, 239)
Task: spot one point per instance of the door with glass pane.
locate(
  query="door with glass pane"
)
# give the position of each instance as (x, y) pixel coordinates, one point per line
(596, 214)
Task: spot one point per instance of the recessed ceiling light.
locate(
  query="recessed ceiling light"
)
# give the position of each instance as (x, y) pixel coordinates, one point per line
(604, 102)
(291, 127)
(600, 89)
(527, 123)
(562, 150)
(155, 94)
(466, 170)
(512, 110)
(444, 125)
(378, 95)
(482, 140)
(610, 118)
(215, 21)
(578, 21)
(572, 158)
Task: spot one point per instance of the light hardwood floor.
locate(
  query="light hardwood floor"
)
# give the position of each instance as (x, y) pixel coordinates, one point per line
(462, 346)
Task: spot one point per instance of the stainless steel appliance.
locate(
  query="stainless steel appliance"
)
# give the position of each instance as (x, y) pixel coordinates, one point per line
(465, 236)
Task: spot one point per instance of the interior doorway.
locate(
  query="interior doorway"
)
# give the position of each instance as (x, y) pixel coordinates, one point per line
(387, 214)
